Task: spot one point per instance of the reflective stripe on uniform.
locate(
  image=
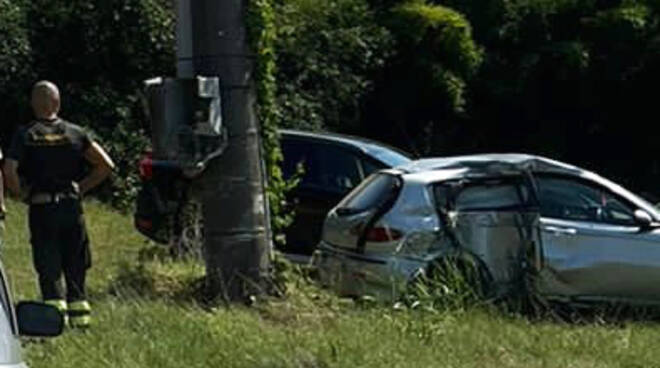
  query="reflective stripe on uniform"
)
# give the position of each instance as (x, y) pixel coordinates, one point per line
(79, 313)
(80, 321)
(80, 306)
(57, 303)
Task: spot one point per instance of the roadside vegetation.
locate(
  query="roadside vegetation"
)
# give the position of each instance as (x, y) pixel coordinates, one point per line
(434, 77)
(431, 77)
(146, 314)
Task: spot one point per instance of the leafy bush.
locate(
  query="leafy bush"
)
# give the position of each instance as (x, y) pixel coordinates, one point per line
(116, 122)
(433, 77)
(327, 56)
(114, 44)
(445, 49)
(15, 63)
(421, 94)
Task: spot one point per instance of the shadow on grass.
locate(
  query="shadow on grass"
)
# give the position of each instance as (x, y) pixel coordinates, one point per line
(157, 274)
(599, 313)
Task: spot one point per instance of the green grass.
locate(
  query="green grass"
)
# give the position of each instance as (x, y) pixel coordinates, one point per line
(145, 316)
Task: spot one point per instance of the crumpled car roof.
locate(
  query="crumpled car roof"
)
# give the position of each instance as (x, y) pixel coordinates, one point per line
(446, 168)
(495, 163)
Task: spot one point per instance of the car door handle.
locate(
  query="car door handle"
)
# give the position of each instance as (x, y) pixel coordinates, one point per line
(560, 230)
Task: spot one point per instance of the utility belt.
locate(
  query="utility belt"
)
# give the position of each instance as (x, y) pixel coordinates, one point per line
(50, 198)
(52, 195)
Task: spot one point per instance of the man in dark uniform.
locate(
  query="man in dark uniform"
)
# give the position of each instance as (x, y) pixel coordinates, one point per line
(50, 155)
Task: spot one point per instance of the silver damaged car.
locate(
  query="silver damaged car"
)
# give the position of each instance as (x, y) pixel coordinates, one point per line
(587, 238)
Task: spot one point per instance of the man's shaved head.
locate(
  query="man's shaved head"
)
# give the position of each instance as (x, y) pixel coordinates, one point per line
(45, 100)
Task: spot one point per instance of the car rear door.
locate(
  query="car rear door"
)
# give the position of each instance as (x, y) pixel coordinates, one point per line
(593, 246)
(495, 219)
(330, 171)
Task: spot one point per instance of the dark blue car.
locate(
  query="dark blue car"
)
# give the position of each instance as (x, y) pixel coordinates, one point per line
(333, 164)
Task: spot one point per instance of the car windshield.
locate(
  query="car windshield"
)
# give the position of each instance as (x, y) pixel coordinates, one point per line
(390, 157)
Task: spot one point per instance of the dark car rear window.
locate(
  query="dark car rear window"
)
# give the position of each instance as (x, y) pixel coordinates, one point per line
(371, 193)
(325, 166)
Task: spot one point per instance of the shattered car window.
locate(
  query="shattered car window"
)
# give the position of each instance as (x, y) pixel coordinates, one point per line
(504, 193)
(489, 197)
(572, 200)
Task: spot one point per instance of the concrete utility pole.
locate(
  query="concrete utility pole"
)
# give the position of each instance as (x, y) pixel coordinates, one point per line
(211, 41)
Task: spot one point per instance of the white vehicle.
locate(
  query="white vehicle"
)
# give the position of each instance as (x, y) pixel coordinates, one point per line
(26, 319)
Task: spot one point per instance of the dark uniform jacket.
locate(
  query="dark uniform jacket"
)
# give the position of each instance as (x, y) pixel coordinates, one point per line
(50, 155)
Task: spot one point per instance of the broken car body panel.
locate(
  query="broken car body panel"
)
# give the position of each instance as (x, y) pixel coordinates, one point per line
(507, 213)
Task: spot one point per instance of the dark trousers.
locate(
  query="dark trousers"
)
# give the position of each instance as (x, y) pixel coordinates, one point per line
(60, 245)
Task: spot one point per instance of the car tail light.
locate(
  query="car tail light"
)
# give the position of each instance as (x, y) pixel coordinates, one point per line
(378, 234)
(146, 166)
(144, 224)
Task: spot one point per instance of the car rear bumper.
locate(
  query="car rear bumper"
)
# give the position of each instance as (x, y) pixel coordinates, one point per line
(352, 274)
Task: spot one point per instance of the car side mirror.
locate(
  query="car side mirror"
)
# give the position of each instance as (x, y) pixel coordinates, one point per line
(643, 219)
(38, 319)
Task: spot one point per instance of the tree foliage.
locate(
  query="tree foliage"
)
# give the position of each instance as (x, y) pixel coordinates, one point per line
(15, 61)
(571, 79)
(423, 85)
(327, 55)
(566, 78)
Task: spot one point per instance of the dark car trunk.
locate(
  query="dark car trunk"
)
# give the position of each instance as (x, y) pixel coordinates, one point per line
(162, 195)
